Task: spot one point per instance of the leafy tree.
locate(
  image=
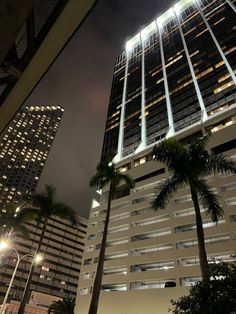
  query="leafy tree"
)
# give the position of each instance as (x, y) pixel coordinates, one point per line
(44, 206)
(107, 175)
(190, 164)
(12, 220)
(65, 306)
(214, 297)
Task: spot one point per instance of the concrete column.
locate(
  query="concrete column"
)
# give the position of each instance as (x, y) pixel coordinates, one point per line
(231, 5)
(118, 157)
(171, 131)
(198, 92)
(231, 72)
(143, 117)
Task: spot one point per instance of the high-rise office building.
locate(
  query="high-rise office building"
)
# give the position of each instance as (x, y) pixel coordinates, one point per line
(178, 71)
(175, 78)
(24, 148)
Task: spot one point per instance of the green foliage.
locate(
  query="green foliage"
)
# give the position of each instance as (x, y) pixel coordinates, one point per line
(12, 219)
(215, 297)
(65, 306)
(43, 206)
(189, 164)
(108, 174)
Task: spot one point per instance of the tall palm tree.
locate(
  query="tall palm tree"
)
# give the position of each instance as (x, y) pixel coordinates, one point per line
(107, 175)
(12, 219)
(190, 164)
(65, 306)
(44, 206)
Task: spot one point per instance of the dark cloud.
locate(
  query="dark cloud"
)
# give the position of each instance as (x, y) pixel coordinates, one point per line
(80, 81)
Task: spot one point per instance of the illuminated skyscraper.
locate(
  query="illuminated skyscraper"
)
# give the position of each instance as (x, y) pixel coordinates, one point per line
(175, 78)
(177, 72)
(24, 148)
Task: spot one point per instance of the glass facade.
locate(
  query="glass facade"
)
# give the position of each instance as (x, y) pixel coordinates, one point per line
(113, 115)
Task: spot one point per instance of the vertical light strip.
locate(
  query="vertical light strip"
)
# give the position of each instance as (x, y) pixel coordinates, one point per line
(231, 5)
(199, 95)
(171, 131)
(231, 72)
(122, 114)
(143, 117)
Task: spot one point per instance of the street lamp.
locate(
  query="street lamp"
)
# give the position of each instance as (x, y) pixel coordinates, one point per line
(36, 258)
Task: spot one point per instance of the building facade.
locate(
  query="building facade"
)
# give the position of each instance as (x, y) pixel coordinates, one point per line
(178, 71)
(58, 274)
(24, 148)
(175, 78)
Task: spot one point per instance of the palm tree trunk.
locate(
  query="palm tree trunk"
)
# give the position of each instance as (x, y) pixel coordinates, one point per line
(200, 237)
(26, 292)
(99, 274)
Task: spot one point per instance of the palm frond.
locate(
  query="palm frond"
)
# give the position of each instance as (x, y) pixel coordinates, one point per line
(40, 200)
(22, 231)
(199, 142)
(13, 218)
(221, 163)
(65, 306)
(106, 174)
(65, 212)
(167, 150)
(50, 191)
(209, 201)
(166, 189)
(26, 214)
(96, 180)
(128, 181)
(118, 178)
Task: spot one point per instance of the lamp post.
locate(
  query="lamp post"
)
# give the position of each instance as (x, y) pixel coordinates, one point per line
(37, 258)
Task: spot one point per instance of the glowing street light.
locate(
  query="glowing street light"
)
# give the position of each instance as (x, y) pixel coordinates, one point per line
(38, 258)
(5, 245)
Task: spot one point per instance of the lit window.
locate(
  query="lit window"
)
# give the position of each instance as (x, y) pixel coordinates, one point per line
(86, 276)
(114, 287)
(89, 248)
(83, 291)
(231, 201)
(45, 268)
(139, 161)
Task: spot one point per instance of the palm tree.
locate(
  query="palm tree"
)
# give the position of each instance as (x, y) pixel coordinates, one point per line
(65, 306)
(190, 164)
(12, 219)
(44, 206)
(106, 174)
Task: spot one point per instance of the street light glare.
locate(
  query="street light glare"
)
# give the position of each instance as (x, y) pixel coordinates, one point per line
(38, 258)
(17, 209)
(3, 245)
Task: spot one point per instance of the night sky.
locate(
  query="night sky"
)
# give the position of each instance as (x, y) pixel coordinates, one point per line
(80, 81)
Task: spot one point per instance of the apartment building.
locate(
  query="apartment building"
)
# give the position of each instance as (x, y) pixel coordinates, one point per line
(175, 78)
(58, 273)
